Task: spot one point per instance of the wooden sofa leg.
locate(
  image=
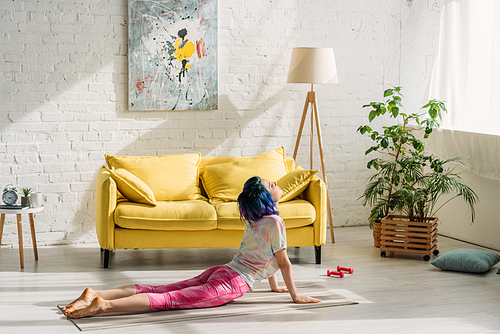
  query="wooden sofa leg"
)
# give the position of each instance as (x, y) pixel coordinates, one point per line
(106, 258)
(317, 254)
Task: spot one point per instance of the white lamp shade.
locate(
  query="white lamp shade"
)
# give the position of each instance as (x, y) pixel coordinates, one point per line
(313, 66)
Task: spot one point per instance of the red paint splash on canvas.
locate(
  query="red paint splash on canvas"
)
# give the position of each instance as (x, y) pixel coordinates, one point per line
(201, 48)
(141, 84)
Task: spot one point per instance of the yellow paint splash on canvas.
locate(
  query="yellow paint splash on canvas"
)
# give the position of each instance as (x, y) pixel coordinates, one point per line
(184, 52)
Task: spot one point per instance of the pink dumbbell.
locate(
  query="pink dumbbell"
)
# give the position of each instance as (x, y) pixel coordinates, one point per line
(349, 270)
(335, 273)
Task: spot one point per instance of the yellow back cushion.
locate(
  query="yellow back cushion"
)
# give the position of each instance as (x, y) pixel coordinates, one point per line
(294, 183)
(170, 177)
(131, 187)
(224, 182)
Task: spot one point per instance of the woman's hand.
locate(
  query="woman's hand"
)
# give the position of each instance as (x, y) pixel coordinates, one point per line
(280, 289)
(305, 300)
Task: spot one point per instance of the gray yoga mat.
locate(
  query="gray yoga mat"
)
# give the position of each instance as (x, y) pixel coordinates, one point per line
(259, 301)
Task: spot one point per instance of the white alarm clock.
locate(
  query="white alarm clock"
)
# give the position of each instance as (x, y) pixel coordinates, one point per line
(9, 195)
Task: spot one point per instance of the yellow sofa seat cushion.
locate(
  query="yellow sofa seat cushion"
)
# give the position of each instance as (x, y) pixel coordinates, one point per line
(224, 182)
(191, 215)
(170, 177)
(131, 187)
(294, 183)
(295, 213)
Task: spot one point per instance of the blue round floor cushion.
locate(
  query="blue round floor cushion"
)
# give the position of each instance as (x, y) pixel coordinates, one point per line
(467, 260)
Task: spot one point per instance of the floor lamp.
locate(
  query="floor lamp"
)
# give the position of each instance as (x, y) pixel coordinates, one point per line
(313, 66)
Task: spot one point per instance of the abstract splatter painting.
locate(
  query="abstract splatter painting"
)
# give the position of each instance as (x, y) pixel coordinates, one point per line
(173, 55)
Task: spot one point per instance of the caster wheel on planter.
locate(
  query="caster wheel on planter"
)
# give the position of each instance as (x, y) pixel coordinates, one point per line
(436, 252)
(427, 258)
(382, 254)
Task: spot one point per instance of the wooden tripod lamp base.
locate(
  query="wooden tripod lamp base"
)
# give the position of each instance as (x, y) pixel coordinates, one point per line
(311, 100)
(313, 65)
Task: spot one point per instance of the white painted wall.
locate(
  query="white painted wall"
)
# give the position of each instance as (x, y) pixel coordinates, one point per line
(63, 82)
(455, 219)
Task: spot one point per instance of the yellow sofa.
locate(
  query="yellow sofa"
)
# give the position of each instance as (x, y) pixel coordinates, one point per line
(209, 216)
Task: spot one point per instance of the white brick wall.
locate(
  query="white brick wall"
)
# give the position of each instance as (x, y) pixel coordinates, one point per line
(63, 79)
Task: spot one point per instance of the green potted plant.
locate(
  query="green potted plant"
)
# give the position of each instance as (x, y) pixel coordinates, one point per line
(407, 180)
(25, 200)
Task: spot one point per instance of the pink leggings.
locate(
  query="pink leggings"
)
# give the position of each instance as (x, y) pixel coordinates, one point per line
(215, 286)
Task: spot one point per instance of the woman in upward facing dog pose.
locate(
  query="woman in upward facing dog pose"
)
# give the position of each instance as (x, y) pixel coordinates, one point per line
(261, 254)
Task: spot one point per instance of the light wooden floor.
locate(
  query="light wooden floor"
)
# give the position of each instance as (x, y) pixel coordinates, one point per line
(397, 294)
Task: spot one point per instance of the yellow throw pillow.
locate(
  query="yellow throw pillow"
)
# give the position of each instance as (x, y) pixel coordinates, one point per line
(294, 183)
(224, 182)
(132, 187)
(170, 177)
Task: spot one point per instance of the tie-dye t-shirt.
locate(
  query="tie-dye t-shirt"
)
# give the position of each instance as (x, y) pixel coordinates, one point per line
(255, 259)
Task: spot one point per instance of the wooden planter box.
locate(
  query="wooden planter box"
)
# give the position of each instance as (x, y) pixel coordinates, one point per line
(376, 232)
(398, 234)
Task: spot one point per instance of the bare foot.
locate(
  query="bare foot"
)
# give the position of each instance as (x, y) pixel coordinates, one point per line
(81, 302)
(96, 307)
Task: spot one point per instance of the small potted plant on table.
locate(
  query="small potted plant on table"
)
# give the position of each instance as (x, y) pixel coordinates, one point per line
(25, 200)
(407, 180)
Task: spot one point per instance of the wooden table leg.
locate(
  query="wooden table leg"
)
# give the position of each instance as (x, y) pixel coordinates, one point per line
(20, 235)
(2, 220)
(33, 236)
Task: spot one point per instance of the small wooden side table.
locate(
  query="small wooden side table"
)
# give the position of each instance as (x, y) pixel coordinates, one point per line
(19, 212)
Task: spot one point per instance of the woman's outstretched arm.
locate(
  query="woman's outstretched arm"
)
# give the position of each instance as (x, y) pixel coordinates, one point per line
(273, 283)
(286, 272)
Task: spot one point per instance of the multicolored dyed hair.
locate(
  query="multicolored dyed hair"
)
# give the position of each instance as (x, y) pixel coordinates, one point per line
(255, 201)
